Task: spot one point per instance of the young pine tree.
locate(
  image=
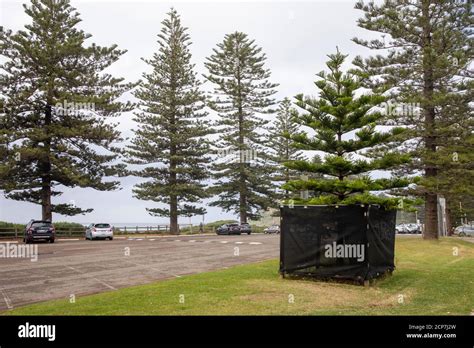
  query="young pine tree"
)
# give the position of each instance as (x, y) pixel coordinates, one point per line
(337, 112)
(170, 142)
(54, 97)
(242, 94)
(281, 146)
(427, 46)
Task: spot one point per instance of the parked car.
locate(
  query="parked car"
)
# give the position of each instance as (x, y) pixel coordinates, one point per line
(408, 228)
(272, 229)
(414, 228)
(245, 228)
(39, 230)
(465, 230)
(401, 228)
(228, 229)
(99, 231)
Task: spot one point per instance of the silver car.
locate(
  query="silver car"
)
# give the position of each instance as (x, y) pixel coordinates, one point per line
(272, 229)
(465, 230)
(99, 231)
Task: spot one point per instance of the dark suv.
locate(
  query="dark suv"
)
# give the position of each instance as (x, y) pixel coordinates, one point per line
(228, 229)
(39, 230)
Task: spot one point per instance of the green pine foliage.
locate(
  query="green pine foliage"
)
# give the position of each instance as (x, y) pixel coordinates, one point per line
(170, 143)
(242, 94)
(454, 156)
(54, 101)
(281, 146)
(425, 53)
(345, 131)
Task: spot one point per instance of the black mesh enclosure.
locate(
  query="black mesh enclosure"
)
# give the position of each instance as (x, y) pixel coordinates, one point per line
(349, 242)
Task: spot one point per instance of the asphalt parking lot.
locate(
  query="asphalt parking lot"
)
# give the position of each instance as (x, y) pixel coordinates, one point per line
(80, 267)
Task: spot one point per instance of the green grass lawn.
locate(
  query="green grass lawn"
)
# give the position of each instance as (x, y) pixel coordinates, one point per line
(429, 279)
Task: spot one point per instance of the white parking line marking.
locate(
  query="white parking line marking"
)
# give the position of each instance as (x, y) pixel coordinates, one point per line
(67, 240)
(152, 240)
(255, 243)
(191, 241)
(224, 241)
(9, 242)
(140, 239)
(239, 242)
(91, 277)
(6, 299)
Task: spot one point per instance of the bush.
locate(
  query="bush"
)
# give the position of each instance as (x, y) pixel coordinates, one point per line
(218, 223)
(63, 225)
(257, 229)
(8, 226)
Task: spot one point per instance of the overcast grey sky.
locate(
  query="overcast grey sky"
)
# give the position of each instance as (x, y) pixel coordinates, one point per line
(295, 35)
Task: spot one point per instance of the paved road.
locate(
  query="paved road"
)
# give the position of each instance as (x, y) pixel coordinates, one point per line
(86, 267)
(468, 239)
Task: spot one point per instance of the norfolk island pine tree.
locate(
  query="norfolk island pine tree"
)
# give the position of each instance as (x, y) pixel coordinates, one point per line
(55, 97)
(281, 147)
(170, 145)
(242, 92)
(337, 111)
(425, 56)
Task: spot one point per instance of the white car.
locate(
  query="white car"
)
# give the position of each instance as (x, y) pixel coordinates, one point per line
(272, 229)
(465, 230)
(401, 228)
(408, 228)
(99, 231)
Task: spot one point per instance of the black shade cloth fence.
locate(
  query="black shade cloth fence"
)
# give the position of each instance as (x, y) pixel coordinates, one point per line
(349, 241)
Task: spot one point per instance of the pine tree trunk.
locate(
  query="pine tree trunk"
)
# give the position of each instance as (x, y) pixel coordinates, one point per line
(431, 217)
(287, 171)
(340, 153)
(449, 221)
(287, 179)
(242, 185)
(46, 199)
(45, 168)
(431, 207)
(174, 228)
